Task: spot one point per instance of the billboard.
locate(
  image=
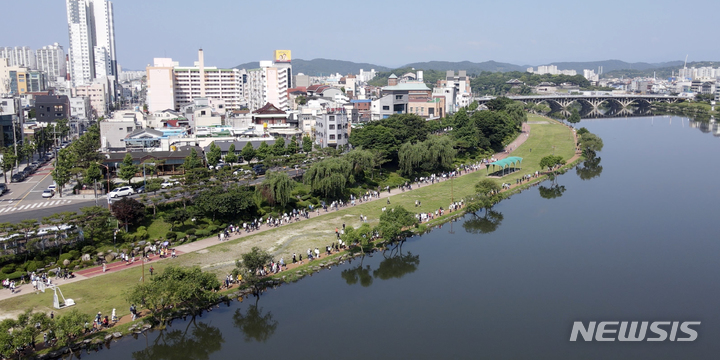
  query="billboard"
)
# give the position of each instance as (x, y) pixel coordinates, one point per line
(282, 56)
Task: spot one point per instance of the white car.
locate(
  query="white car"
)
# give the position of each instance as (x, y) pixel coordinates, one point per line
(241, 172)
(46, 194)
(121, 191)
(169, 184)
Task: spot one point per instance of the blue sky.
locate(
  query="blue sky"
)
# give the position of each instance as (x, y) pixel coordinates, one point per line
(389, 33)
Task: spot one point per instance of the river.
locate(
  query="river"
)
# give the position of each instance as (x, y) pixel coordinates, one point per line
(631, 238)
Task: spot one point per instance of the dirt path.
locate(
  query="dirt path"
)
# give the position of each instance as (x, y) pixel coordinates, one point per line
(205, 243)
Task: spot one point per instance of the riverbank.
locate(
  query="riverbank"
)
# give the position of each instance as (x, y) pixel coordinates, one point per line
(105, 292)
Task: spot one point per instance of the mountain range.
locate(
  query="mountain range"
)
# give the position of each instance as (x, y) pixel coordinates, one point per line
(318, 67)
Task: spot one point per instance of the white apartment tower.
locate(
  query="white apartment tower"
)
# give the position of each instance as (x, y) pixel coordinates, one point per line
(51, 60)
(270, 83)
(21, 56)
(92, 40)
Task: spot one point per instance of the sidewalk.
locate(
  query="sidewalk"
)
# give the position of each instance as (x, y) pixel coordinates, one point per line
(205, 243)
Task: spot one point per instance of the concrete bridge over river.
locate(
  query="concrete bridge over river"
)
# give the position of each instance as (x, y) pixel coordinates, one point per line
(589, 102)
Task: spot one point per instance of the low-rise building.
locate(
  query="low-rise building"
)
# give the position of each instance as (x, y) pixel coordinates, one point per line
(332, 128)
(52, 107)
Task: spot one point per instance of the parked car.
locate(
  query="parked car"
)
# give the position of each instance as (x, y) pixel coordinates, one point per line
(169, 184)
(220, 166)
(47, 193)
(3, 189)
(121, 191)
(17, 177)
(52, 187)
(140, 190)
(259, 169)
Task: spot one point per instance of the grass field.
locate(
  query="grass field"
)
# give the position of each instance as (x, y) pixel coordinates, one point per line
(103, 293)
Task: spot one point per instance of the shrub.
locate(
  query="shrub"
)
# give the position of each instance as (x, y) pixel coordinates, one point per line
(8, 269)
(202, 233)
(192, 238)
(88, 249)
(190, 232)
(14, 276)
(88, 263)
(171, 235)
(212, 229)
(75, 254)
(32, 266)
(63, 257)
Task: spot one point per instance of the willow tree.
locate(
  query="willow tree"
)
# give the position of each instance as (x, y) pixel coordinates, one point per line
(361, 161)
(435, 153)
(276, 188)
(329, 177)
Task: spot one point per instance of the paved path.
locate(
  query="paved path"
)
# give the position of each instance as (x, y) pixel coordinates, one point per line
(205, 243)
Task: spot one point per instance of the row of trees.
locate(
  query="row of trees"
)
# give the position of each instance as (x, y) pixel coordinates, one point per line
(248, 153)
(18, 337)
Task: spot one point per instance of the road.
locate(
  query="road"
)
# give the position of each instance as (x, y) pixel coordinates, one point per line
(24, 200)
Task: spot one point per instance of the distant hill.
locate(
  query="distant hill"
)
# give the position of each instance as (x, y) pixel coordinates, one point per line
(660, 72)
(317, 67)
(611, 65)
(471, 67)
(614, 68)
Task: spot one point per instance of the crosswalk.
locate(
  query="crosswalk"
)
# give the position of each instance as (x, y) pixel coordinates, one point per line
(38, 205)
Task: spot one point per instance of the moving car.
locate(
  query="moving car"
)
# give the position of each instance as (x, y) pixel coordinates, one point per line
(47, 193)
(121, 191)
(169, 184)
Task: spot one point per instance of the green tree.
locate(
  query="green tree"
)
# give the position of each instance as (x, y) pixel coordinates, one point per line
(487, 186)
(262, 151)
(231, 203)
(551, 162)
(69, 327)
(276, 188)
(278, 149)
(192, 161)
(574, 116)
(213, 155)
(94, 220)
(485, 224)
(92, 175)
(590, 144)
(252, 262)
(8, 161)
(187, 286)
(177, 217)
(292, 147)
(62, 172)
(127, 169)
(329, 177)
(307, 144)
(248, 152)
(231, 158)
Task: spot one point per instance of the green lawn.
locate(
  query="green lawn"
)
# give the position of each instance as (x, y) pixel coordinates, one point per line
(106, 292)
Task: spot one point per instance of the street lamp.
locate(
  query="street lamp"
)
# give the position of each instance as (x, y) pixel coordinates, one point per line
(107, 192)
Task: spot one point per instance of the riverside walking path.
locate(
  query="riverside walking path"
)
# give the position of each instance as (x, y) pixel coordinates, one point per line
(205, 243)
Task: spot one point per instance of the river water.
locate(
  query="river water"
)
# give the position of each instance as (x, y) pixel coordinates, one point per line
(633, 238)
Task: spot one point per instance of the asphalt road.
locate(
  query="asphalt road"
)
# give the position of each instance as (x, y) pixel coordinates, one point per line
(24, 200)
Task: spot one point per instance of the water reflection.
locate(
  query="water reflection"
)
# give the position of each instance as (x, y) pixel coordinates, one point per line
(483, 224)
(708, 127)
(197, 341)
(552, 192)
(589, 169)
(254, 324)
(397, 264)
(357, 274)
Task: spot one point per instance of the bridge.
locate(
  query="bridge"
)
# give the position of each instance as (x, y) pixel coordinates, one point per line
(590, 102)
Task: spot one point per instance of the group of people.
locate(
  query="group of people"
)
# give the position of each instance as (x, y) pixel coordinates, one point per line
(425, 217)
(101, 322)
(9, 284)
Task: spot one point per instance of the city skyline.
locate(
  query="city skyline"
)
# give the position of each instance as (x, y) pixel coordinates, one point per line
(522, 34)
